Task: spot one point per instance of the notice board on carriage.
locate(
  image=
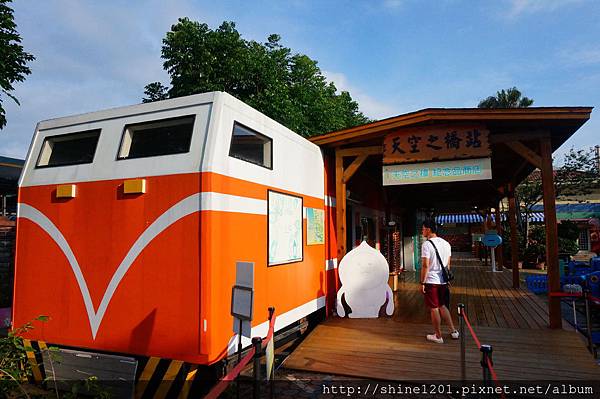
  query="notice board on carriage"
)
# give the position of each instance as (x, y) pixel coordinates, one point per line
(285, 228)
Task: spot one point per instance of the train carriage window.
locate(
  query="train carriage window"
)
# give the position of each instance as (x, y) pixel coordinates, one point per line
(162, 137)
(251, 146)
(69, 149)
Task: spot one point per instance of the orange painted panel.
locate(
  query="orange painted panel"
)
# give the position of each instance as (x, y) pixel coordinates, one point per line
(164, 300)
(159, 291)
(283, 286)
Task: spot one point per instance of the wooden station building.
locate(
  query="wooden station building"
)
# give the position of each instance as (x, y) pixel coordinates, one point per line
(391, 174)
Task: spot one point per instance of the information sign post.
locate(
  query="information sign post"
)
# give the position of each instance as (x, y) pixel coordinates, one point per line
(492, 239)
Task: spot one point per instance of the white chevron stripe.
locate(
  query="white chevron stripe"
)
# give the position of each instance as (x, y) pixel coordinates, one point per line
(206, 201)
(212, 201)
(29, 212)
(183, 208)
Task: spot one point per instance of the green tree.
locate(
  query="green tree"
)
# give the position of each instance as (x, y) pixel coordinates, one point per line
(577, 177)
(509, 98)
(287, 87)
(13, 59)
(155, 91)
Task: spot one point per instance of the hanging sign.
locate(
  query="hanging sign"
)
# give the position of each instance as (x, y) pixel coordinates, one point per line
(436, 143)
(438, 172)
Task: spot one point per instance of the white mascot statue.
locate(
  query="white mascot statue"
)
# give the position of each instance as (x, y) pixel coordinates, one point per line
(364, 276)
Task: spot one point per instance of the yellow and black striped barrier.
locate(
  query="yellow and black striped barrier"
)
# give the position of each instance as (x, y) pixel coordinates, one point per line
(34, 358)
(159, 378)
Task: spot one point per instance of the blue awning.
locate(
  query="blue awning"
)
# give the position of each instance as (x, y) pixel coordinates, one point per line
(502, 217)
(536, 217)
(471, 218)
(459, 218)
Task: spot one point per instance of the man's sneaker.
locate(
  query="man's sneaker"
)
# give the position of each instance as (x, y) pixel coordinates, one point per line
(433, 338)
(455, 334)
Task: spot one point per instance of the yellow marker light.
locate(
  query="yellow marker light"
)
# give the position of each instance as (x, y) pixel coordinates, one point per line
(134, 186)
(65, 191)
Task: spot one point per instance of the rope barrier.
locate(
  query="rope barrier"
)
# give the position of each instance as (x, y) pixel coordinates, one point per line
(561, 294)
(270, 333)
(235, 372)
(489, 361)
(594, 299)
(232, 375)
(471, 329)
(493, 373)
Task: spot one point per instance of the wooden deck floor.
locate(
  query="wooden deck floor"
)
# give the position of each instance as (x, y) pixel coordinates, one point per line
(514, 322)
(490, 301)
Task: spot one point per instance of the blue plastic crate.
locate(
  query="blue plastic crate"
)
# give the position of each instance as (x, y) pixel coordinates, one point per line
(576, 279)
(574, 268)
(537, 284)
(592, 282)
(595, 263)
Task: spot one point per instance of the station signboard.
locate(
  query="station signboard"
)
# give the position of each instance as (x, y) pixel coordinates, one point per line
(436, 144)
(438, 172)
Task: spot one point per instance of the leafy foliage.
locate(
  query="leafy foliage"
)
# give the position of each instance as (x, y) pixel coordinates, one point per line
(287, 87)
(536, 248)
(13, 59)
(576, 177)
(15, 370)
(89, 387)
(579, 175)
(14, 367)
(506, 239)
(509, 98)
(568, 233)
(155, 91)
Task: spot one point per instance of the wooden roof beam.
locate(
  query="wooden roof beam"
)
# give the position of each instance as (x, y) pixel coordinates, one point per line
(358, 151)
(350, 170)
(526, 153)
(519, 135)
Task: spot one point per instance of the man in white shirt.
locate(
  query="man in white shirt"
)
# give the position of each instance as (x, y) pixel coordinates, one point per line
(435, 289)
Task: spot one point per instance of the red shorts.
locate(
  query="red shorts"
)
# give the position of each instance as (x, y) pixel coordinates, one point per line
(437, 295)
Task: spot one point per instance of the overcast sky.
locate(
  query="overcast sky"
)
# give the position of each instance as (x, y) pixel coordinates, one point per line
(394, 56)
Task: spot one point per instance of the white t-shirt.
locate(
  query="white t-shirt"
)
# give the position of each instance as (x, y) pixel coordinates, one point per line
(434, 275)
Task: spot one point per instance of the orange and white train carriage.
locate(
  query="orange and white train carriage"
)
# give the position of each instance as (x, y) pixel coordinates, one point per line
(131, 221)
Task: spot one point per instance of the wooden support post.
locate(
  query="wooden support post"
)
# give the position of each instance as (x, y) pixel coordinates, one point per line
(340, 206)
(551, 233)
(499, 248)
(514, 245)
(341, 178)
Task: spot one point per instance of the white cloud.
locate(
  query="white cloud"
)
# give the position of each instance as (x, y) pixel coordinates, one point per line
(370, 106)
(581, 56)
(392, 3)
(521, 7)
(89, 56)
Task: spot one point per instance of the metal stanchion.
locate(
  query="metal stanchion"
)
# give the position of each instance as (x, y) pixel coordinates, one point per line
(257, 343)
(486, 353)
(588, 320)
(239, 357)
(272, 376)
(461, 323)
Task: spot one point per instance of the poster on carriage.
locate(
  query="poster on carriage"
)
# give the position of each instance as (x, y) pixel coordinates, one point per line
(315, 226)
(285, 228)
